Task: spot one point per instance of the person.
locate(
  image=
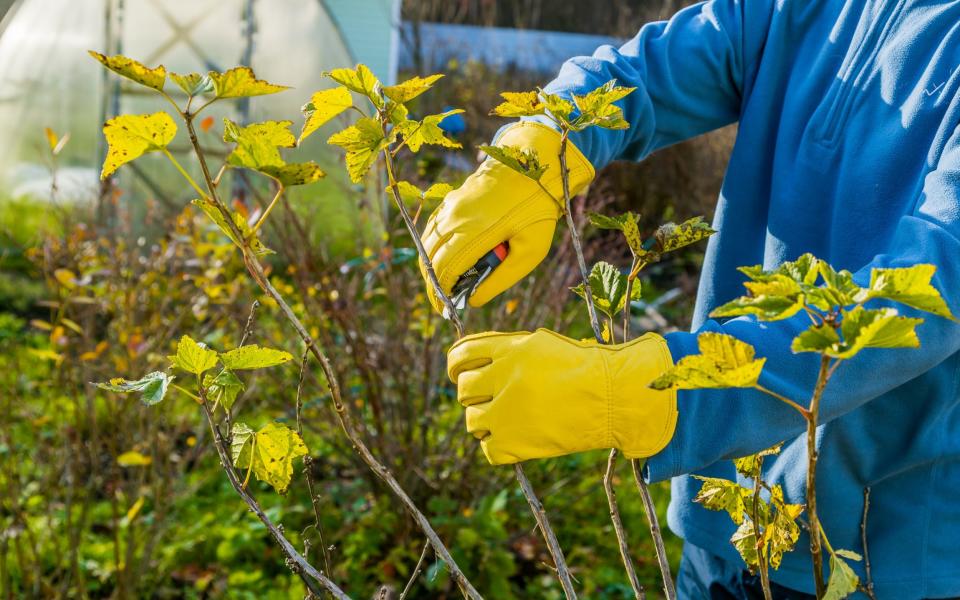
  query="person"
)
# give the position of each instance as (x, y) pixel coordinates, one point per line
(848, 147)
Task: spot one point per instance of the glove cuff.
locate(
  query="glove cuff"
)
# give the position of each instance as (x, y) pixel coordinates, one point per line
(545, 141)
(641, 420)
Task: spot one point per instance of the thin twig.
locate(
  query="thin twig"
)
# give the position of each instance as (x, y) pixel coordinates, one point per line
(308, 462)
(868, 586)
(757, 534)
(416, 571)
(618, 527)
(563, 573)
(256, 270)
(812, 518)
(248, 327)
(655, 533)
(803, 411)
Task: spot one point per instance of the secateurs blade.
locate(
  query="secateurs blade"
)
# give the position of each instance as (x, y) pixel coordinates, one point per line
(469, 281)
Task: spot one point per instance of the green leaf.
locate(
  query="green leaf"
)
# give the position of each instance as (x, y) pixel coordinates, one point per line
(134, 70)
(411, 194)
(193, 84)
(223, 388)
(323, 106)
(626, 223)
(258, 148)
(838, 290)
(843, 580)
(193, 357)
(427, 131)
(804, 270)
(672, 236)
(363, 141)
(816, 338)
(723, 362)
(253, 356)
(240, 82)
(559, 107)
(519, 104)
(133, 458)
(217, 217)
(525, 161)
(722, 495)
(410, 89)
(911, 286)
(744, 539)
(131, 136)
(360, 80)
(437, 192)
(608, 287)
(152, 386)
(765, 308)
(597, 108)
(269, 452)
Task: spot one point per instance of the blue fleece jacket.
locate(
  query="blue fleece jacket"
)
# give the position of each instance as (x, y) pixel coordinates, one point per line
(848, 147)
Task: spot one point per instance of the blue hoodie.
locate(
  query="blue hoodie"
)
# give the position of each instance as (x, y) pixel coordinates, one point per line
(848, 147)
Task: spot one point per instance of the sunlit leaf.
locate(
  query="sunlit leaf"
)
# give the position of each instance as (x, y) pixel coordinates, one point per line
(597, 109)
(363, 142)
(56, 143)
(152, 386)
(911, 286)
(626, 223)
(253, 356)
(784, 531)
(816, 338)
(240, 82)
(744, 539)
(360, 80)
(258, 148)
(519, 104)
(324, 106)
(133, 458)
(134, 70)
(269, 452)
(723, 362)
(860, 328)
(749, 466)
(193, 84)
(131, 136)
(838, 290)
(559, 107)
(193, 357)
(410, 89)
(525, 161)
(427, 131)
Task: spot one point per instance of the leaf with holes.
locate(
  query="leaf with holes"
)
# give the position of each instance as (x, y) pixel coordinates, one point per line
(723, 362)
(722, 495)
(625, 223)
(131, 136)
(134, 70)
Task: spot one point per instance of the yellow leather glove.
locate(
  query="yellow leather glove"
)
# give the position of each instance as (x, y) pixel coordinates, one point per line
(496, 204)
(537, 395)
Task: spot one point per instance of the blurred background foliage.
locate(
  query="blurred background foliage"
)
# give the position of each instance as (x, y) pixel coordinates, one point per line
(104, 283)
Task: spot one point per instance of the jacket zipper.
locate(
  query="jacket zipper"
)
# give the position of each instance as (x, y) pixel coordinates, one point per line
(864, 56)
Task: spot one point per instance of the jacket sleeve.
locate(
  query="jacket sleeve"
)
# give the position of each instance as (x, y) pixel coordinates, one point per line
(727, 423)
(690, 72)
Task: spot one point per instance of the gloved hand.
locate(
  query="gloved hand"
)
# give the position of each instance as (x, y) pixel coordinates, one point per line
(537, 395)
(496, 204)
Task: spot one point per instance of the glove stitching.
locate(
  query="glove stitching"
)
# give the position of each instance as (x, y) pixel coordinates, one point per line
(609, 398)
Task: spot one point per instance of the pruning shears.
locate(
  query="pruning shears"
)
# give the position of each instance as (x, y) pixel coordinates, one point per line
(475, 275)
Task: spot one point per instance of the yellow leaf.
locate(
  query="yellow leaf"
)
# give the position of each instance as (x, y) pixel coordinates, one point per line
(133, 458)
(134, 70)
(269, 453)
(240, 82)
(47, 355)
(193, 357)
(72, 325)
(135, 509)
(323, 106)
(51, 137)
(66, 278)
(410, 89)
(130, 136)
(360, 80)
(41, 324)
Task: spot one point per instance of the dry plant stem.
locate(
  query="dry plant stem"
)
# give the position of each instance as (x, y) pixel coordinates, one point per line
(556, 552)
(595, 324)
(575, 236)
(651, 510)
(308, 461)
(256, 270)
(416, 572)
(563, 573)
(868, 586)
(618, 526)
(816, 552)
(415, 236)
(761, 558)
(310, 576)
